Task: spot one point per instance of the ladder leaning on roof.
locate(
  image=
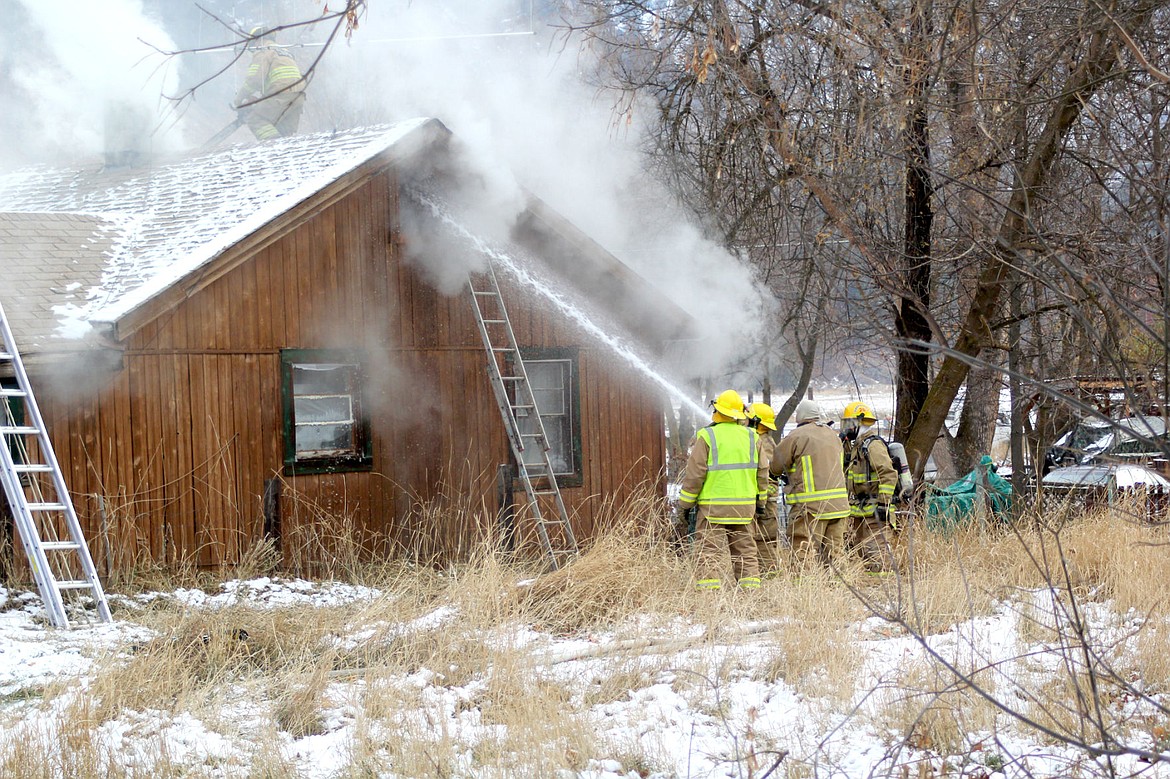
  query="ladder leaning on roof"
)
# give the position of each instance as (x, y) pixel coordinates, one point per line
(515, 398)
(38, 497)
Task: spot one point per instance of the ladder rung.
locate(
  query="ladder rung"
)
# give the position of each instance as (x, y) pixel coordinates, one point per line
(544, 492)
(32, 468)
(495, 321)
(46, 506)
(485, 293)
(503, 348)
(59, 546)
(18, 430)
(511, 378)
(523, 405)
(13, 393)
(5, 356)
(77, 584)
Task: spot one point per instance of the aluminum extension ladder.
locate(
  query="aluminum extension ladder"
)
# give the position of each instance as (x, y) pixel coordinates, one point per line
(38, 497)
(514, 396)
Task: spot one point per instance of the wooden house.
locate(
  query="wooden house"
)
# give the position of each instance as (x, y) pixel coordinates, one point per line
(252, 343)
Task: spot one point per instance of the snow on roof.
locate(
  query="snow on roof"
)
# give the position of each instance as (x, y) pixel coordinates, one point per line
(175, 217)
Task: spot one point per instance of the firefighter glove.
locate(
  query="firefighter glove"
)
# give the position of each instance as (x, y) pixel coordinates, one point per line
(883, 514)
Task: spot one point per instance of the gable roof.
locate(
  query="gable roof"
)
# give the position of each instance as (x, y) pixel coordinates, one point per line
(132, 237)
(175, 218)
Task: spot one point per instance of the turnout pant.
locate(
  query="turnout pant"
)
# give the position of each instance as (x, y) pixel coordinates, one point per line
(871, 542)
(725, 549)
(765, 532)
(814, 539)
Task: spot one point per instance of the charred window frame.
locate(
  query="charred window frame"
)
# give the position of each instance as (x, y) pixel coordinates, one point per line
(553, 374)
(326, 424)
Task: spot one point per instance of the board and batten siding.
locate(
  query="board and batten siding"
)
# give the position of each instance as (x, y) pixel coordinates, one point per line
(167, 460)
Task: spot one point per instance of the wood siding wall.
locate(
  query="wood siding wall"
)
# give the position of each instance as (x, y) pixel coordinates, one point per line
(168, 459)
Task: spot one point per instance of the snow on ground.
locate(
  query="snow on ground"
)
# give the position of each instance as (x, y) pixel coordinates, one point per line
(677, 719)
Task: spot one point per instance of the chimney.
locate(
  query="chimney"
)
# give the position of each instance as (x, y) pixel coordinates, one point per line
(127, 133)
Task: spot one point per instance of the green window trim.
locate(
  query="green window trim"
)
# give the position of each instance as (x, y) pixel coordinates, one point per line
(339, 403)
(570, 420)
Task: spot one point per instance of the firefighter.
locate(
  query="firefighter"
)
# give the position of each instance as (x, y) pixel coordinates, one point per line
(765, 527)
(872, 478)
(725, 480)
(812, 461)
(272, 97)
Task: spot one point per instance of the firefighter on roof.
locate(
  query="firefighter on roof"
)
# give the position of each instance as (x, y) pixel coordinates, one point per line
(872, 478)
(811, 459)
(726, 481)
(272, 97)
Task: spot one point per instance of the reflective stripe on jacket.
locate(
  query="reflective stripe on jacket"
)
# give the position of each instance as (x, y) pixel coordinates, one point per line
(870, 474)
(269, 72)
(813, 459)
(723, 474)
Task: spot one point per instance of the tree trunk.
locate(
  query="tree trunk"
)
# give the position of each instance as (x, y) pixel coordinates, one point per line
(1019, 406)
(1099, 60)
(910, 322)
(808, 359)
(977, 421)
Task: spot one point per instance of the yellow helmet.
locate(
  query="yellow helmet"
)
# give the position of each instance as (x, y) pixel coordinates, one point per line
(764, 413)
(262, 36)
(729, 404)
(859, 410)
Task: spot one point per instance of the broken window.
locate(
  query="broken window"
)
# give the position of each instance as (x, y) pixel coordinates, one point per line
(552, 373)
(326, 429)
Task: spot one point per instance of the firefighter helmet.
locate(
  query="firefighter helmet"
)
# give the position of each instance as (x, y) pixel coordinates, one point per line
(859, 410)
(729, 404)
(262, 36)
(763, 414)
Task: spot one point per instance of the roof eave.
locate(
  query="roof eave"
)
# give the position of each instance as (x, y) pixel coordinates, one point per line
(641, 306)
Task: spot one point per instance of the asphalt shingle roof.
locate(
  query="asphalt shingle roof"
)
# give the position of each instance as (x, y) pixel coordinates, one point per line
(48, 262)
(157, 225)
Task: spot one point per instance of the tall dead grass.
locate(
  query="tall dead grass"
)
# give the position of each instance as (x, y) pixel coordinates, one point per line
(464, 625)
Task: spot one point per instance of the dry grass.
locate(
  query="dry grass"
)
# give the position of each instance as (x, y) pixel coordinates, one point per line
(458, 626)
(929, 709)
(199, 656)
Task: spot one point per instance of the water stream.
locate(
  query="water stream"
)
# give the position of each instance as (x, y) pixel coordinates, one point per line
(516, 269)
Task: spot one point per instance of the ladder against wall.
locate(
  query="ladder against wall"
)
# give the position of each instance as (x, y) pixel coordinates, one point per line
(37, 496)
(516, 400)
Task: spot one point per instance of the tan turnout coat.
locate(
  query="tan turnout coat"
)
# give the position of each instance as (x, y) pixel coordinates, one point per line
(812, 458)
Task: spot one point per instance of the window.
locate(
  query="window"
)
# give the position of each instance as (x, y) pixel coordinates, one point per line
(553, 376)
(325, 425)
(12, 414)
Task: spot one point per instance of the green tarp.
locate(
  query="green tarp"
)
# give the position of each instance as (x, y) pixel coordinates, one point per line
(949, 507)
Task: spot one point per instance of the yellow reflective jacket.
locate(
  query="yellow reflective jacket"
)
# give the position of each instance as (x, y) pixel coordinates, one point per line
(270, 71)
(870, 474)
(724, 474)
(812, 459)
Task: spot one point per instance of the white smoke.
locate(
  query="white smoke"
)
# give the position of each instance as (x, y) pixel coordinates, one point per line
(521, 108)
(509, 86)
(71, 67)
